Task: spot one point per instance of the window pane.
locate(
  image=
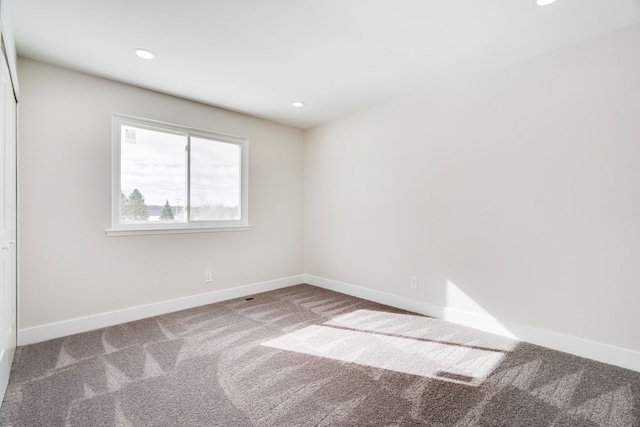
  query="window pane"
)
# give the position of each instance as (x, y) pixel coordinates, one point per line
(215, 180)
(152, 175)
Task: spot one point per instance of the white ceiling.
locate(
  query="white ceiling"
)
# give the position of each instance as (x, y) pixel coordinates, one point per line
(338, 56)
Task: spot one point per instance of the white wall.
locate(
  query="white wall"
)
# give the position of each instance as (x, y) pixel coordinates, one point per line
(69, 268)
(521, 189)
(514, 196)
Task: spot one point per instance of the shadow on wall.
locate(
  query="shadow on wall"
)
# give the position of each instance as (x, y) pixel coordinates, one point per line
(460, 308)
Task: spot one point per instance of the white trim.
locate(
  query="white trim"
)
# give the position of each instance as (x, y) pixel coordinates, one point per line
(6, 369)
(83, 324)
(601, 352)
(111, 232)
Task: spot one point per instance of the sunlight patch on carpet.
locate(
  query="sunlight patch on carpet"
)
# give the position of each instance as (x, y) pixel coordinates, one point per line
(397, 342)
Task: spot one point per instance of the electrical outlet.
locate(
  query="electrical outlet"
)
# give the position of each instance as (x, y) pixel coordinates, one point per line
(208, 276)
(413, 282)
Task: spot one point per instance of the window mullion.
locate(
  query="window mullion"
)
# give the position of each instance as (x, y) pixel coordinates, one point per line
(187, 206)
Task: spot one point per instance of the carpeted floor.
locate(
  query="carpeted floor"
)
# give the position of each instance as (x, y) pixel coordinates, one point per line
(305, 356)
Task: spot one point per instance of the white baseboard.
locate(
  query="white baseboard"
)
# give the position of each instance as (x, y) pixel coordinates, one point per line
(606, 353)
(83, 324)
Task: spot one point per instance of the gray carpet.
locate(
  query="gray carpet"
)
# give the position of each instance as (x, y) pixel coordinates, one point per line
(305, 356)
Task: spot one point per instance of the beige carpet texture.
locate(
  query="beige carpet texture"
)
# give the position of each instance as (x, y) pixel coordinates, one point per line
(306, 356)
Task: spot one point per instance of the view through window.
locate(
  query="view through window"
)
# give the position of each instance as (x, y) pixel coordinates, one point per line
(171, 176)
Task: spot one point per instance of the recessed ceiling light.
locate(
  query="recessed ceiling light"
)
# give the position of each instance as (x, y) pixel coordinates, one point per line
(144, 53)
(298, 104)
(544, 2)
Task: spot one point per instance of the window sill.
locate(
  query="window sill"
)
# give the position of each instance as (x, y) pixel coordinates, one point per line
(114, 232)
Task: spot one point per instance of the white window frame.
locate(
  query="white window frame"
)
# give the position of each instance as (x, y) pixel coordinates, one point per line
(119, 228)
